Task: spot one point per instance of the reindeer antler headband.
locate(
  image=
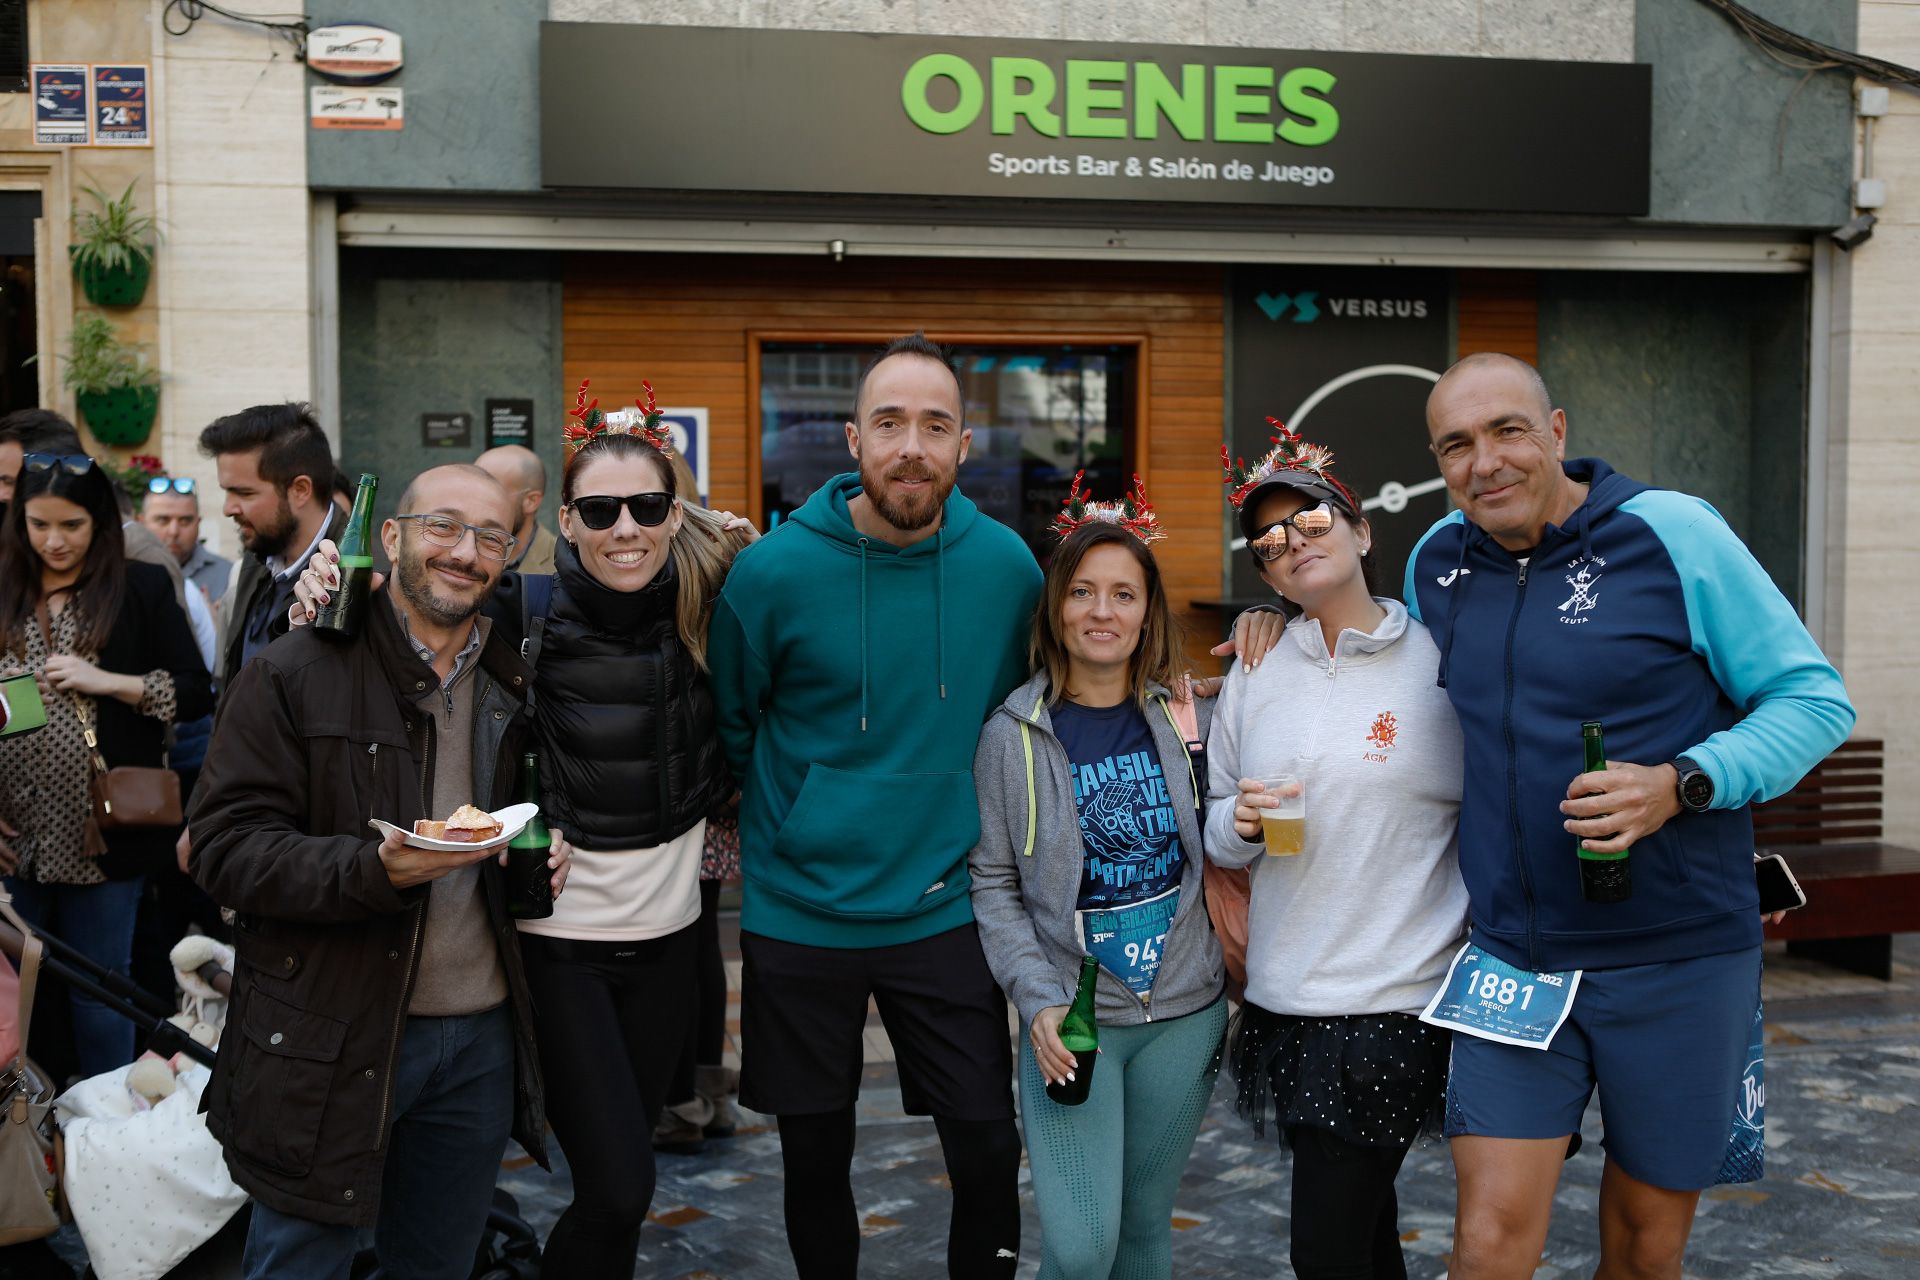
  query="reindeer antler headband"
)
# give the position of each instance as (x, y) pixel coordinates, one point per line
(590, 422)
(1289, 453)
(1132, 512)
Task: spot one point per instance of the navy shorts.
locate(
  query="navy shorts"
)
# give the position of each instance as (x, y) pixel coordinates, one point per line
(1668, 1046)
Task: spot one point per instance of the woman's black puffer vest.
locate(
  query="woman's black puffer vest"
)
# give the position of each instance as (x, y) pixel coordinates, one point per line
(630, 757)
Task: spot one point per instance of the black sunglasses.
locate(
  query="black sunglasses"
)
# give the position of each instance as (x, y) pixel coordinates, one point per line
(602, 511)
(74, 464)
(1312, 522)
(176, 484)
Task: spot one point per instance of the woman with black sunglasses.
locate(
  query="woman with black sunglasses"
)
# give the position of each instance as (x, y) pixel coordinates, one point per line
(115, 657)
(630, 768)
(1351, 928)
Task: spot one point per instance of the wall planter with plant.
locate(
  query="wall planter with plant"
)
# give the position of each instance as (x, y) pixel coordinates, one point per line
(112, 250)
(117, 390)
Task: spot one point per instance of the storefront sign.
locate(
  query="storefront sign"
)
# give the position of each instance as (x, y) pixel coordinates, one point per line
(330, 108)
(60, 117)
(1346, 357)
(446, 430)
(690, 440)
(121, 111)
(946, 116)
(355, 54)
(510, 422)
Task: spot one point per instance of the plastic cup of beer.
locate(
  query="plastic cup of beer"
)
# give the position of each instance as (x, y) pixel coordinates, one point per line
(1284, 827)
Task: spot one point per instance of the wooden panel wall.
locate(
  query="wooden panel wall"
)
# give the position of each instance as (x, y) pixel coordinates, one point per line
(1498, 311)
(683, 323)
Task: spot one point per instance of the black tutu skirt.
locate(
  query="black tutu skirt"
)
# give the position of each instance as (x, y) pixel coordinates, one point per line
(1374, 1079)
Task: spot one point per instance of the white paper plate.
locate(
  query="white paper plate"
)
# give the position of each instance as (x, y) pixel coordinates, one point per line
(513, 820)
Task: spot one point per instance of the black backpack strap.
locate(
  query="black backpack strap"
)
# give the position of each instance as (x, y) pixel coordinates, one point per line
(536, 600)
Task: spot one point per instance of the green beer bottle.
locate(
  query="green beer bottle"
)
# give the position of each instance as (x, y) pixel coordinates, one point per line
(1081, 1034)
(529, 879)
(1604, 877)
(343, 614)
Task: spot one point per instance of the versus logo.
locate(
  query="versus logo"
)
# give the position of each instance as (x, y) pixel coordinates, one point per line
(1307, 307)
(1113, 99)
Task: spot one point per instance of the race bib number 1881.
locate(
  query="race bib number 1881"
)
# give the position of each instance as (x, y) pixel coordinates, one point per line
(1485, 996)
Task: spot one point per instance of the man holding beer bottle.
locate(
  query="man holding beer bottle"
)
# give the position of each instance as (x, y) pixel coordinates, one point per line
(1562, 593)
(383, 1044)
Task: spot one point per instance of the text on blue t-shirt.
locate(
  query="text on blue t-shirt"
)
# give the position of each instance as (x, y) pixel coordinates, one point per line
(1127, 818)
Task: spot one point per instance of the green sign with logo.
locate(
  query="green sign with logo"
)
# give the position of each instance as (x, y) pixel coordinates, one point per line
(690, 108)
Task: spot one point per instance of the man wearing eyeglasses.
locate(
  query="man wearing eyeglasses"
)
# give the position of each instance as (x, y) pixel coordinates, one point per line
(172, 512)
(388, 1039)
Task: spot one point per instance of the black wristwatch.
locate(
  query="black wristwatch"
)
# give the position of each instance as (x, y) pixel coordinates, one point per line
(1695, 787)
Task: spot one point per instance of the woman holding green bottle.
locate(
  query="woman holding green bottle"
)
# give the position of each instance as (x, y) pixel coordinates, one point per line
(1090, 851)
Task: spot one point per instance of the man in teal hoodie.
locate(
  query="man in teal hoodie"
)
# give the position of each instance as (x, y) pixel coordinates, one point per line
(855, 652)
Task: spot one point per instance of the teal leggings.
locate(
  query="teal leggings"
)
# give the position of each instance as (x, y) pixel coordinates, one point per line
(1105, 1172)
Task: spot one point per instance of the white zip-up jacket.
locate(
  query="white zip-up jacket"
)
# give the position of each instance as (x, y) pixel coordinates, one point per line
(1367, 918)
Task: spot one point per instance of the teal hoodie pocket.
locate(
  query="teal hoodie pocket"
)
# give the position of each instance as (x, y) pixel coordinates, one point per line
(877, 846)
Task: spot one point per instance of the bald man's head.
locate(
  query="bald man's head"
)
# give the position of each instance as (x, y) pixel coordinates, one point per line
(1500, 443)
(524, 477)
(1497, 363)
(443, 573)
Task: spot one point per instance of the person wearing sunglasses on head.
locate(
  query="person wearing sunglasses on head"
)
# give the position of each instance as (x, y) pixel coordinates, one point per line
(630, 767)
(172, 512)
(116, 664)
(1351, 929)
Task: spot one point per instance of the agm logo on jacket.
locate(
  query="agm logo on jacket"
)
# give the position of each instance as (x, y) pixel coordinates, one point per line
(1385, 732)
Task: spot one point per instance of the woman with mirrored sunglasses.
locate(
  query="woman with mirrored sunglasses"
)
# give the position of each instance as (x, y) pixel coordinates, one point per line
(1348, 938)
(115, 657)
(630, 767)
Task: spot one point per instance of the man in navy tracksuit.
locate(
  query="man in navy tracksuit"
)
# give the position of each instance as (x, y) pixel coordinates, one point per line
(1563, 592)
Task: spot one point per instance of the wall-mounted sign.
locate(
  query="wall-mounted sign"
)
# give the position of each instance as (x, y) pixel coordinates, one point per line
(122, 112)
(1346, 357)
(353, 54)
(510, 422)
(446, 430)
(335, 108)
(945, 116)
(60, 117)
(690, 439)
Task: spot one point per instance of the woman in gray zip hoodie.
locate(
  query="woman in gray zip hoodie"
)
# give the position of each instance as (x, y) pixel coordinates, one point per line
(1090, 843)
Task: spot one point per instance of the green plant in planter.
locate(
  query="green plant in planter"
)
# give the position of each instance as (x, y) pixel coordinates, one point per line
(113, 250)
(117, 390)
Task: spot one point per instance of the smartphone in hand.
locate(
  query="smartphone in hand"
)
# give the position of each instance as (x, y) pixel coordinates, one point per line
(21, 710)
(1779, 891)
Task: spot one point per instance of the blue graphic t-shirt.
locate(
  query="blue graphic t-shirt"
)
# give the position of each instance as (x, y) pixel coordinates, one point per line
(1127, 817)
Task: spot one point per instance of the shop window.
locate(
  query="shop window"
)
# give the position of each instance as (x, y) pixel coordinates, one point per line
(19, 380)
(13, 46)
(1039, 412)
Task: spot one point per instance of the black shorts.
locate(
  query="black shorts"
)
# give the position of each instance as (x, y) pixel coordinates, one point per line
(802, 1011)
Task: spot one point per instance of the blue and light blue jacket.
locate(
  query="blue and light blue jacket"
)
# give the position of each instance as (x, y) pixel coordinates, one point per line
(1647, 613)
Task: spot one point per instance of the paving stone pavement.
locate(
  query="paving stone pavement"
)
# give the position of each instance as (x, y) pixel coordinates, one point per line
(1841, 1197)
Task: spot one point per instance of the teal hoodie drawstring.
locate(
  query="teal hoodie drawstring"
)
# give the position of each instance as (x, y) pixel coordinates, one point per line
(940, 605)
(863, 636)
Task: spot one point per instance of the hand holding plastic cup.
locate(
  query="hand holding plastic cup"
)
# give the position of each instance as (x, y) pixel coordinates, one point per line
(1284, 825)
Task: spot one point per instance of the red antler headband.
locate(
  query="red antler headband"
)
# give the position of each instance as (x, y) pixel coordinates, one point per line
(589, 422)
(1132, 513)
(1289, 453)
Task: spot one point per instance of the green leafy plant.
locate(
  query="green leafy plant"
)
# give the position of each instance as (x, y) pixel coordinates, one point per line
(113, 238)
(98, 362)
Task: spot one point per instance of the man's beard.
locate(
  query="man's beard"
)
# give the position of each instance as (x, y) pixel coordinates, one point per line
(269, 541)
(913, 513)
(417, 589)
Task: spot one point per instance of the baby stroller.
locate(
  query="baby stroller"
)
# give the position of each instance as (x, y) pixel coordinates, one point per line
(509, 1249)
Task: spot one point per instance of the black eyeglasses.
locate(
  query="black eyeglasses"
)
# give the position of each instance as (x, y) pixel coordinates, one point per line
(601, 511)
(444, 531)
(1312, 522)
(74, 464)
(174, 484)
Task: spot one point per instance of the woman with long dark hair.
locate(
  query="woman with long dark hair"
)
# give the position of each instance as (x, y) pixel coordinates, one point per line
(1358, 906)
(630, 768)
(1090, 844)
(116, 658)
